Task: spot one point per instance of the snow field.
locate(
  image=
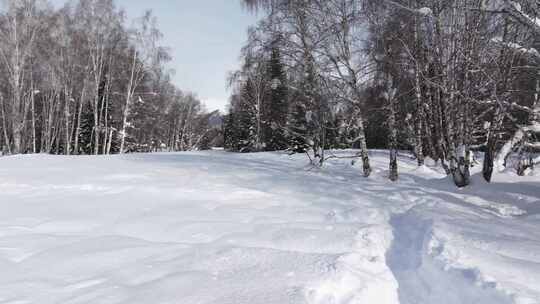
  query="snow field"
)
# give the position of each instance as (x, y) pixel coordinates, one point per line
(213, 227)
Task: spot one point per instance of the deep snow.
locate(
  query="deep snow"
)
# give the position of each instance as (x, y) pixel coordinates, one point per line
(213, 227)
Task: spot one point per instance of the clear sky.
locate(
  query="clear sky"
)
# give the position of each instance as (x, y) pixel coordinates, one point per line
(204, 36)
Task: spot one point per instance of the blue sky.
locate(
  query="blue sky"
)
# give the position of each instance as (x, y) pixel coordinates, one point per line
(205, 37)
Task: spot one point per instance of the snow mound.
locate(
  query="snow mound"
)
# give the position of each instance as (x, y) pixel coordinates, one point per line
(426, 11)
(361, 276)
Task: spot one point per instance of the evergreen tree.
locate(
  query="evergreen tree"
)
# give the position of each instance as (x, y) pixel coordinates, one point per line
(301, 119)
(240, 129)
(230, 133)
(87, 130)
(297, 128)
(276, 104)
(249, 132)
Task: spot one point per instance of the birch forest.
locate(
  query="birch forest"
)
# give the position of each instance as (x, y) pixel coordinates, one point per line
(445, 79)
(86, 79)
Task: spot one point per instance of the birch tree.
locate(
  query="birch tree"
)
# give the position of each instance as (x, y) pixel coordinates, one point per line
(20, 26)
(144, 55)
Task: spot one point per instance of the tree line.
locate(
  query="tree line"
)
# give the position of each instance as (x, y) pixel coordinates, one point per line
(441, 78)
(78, 80)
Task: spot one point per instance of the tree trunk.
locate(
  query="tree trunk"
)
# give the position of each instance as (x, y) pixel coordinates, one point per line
(97, 128)
(364, 153)
(419, 103)
(67, 115)
(4, 126)
(129, 96)
(489, 157)
(34, 148)
(78, 124)
(461, 173)
(393, 144)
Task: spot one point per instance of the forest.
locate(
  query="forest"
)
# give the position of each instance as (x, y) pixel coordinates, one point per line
(79, 80)
(443, 79)
(446, 80)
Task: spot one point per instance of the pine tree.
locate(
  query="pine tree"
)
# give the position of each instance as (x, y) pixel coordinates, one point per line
(230, 132)
(87, 130)
(249, 132)
(301, 129)
(241, 122)
(276, 104)
(297, 128)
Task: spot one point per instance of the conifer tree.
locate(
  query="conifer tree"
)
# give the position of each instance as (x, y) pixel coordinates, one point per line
(276, 104)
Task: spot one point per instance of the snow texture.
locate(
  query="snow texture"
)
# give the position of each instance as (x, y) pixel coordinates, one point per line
(426, 11)
(213, 227)
(519, 48)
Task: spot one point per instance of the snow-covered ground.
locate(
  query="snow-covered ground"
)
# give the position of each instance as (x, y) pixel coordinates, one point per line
(213, 227)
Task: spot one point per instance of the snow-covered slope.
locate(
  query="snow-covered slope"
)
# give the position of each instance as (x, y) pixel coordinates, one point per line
(213, 227)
